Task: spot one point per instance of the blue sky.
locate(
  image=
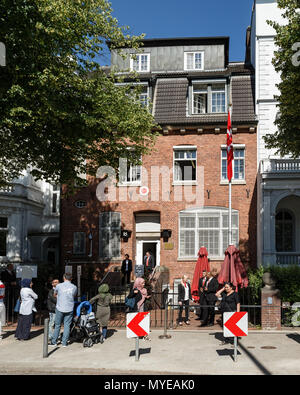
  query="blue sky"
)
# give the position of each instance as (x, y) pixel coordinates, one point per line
(187, 18)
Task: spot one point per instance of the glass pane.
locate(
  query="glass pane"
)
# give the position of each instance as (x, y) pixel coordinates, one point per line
(210, 239)
(218, 102)
(187, 243)
(208, 222)
(200, 103)
(189, 61)
(187, 222)
(198, 60)
(144, 62)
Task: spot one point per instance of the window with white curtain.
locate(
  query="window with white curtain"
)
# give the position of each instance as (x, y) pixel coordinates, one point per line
(207, 227)
(110, 235)
(140, 62)
(193, 60)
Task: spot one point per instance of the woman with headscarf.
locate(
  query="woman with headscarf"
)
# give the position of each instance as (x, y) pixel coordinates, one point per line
(27, 298)
(139, 292)
(103, 300)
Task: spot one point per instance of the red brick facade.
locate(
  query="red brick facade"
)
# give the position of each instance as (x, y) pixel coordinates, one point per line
(208, 145)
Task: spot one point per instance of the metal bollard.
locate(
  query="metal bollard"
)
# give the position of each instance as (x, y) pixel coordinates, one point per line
(165, 336)
(46, 334)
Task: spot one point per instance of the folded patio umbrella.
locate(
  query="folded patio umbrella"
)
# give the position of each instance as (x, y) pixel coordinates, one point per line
(202, 264)
(232, 269)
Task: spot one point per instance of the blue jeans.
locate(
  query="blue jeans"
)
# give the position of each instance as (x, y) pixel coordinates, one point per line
(51, 324)
(60, 318)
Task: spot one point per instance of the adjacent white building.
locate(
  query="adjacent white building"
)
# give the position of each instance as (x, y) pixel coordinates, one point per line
(29, 222)
(278, 232)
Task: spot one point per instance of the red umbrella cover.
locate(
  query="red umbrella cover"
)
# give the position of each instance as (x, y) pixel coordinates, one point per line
(202, 264)
(232, 269)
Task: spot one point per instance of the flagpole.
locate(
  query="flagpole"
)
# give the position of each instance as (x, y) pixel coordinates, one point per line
(230, 192)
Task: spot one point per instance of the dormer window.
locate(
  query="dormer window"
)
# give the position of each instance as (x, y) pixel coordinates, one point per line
(207, 97)
(140, 63)
(194, 61)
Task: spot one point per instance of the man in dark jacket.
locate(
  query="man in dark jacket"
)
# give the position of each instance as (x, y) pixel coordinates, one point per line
(184, 297)
(51, 305)
(210, 290)
(148, 263)
(201, 286)
(126, 269)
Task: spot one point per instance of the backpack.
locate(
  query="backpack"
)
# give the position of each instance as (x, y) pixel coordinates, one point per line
(130, 302)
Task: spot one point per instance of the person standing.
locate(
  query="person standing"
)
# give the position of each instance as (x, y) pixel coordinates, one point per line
(2, 307)
(184, 296)
(210, 299)
(66, 293)
(126, 269)
(230, 299)
(139, 292)
(148, 263)
(9, 279)
(27, 306)
(201, 286)
(51, 305)
(230, 302)
(103, 300)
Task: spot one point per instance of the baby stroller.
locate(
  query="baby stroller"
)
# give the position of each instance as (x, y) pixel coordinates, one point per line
(85, 326)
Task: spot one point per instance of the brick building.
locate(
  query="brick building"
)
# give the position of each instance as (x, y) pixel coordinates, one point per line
(177, 200)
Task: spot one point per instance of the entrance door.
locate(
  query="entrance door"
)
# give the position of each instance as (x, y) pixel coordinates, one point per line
(148, 245)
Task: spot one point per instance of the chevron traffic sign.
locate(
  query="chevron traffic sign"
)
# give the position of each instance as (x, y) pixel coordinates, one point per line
(235, 324)
(137, 324)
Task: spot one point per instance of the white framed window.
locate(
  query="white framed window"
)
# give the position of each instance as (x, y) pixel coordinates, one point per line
(185, 163)
(208, 97)
(238, 164)
(110, 235)
(3, 236)
(79, 241)
(218, 98)
(130, 174)
(206, 227)
(194, 60)
(140, 63)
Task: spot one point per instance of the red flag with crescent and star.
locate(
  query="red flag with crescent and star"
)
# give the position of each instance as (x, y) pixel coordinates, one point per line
(229, 148)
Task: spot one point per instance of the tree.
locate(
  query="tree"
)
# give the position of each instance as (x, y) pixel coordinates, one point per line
(287, 62)
(58, 106)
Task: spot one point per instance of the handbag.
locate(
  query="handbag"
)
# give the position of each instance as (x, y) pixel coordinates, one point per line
(17, 306)
(130, 302)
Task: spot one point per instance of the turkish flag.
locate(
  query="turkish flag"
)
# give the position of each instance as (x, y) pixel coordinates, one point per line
(229, 148)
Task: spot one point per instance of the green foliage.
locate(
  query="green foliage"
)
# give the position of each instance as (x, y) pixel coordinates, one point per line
(58, 106)
(287, 139)
(287, 281)
(256, 282)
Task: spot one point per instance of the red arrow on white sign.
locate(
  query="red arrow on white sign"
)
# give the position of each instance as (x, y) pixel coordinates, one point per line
(138, 324)
(235, 324)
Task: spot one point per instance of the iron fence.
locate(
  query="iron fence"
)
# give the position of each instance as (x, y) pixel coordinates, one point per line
(157, 305)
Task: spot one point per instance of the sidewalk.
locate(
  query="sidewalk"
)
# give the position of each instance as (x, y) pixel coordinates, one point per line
(186, 352)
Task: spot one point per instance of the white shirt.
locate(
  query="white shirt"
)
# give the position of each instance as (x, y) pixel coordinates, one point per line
(28, 298)
(186, 291)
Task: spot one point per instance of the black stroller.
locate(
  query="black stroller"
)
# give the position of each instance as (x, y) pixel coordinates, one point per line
(85, 327)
